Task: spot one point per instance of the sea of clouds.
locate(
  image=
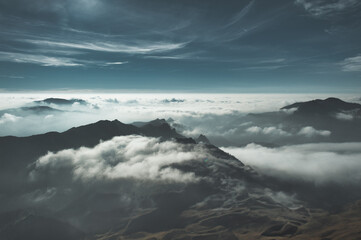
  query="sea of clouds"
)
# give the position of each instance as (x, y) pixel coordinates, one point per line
(216, 115)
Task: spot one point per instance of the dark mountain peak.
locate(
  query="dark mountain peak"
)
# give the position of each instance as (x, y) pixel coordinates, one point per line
(202, 139)
(326, 106)
(333, 100)
(105, 128)
(157, 122)
(170, 120)
(159, 128)
(62, 101)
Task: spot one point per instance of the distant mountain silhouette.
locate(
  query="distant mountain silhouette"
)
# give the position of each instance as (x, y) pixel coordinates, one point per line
(25, 111)
(318, 106)
(341, 118)
(61, 101)
(40, 109)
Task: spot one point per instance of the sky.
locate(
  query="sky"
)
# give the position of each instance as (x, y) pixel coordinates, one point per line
(257, 46)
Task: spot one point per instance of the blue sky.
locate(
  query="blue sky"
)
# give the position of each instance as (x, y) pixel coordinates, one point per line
(192, 46)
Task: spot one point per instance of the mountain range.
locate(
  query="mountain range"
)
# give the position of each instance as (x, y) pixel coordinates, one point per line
(217, 196)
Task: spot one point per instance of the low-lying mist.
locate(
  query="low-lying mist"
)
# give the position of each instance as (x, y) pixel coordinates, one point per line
(318, 163)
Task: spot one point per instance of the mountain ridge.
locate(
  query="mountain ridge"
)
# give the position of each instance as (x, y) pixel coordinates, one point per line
(319, 106)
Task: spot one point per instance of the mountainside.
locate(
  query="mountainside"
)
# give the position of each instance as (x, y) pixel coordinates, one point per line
(24, 111)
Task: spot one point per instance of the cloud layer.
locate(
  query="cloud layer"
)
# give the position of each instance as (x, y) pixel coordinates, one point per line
(319, 163)
(222, 118)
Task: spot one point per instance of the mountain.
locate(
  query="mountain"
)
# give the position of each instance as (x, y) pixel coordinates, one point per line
(61, 101)
(262, 223)
(216, 196)
(80, 208)
(89, 135)
(321, 107)
(156, 122)
(25, 225)
(338, 118)
(159, 128)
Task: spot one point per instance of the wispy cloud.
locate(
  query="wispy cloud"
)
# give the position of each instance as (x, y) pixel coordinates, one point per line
(51, 61)
(139, 48)
(183, 56)
(165, 57)
(12, 76)
(352, 64)
(261, 68)
(275, 60)
(325, 7)
(39, 59)
(241, 14)
(116, 63)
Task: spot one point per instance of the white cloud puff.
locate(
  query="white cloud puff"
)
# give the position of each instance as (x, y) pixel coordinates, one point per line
(267, 131)
(122, 157)
(344, 116)
(6, 117)
(309, 131)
